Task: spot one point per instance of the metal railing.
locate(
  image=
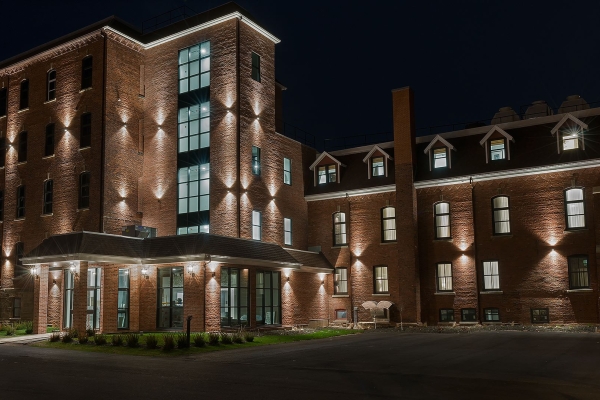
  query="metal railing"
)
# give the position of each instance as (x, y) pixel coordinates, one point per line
(167, 18)
(293, 132)
(332, 144)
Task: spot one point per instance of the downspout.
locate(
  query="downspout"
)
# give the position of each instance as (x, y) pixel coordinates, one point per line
(204, 298)
(103, 146)
(351, 276)
(238, 129)
(475, 258)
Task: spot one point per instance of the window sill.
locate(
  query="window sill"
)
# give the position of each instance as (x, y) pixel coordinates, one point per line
(85, 148)
(341, 246)
(447, 323)
(340, 295)
(2, 116)
(492, 323)
(50, 101)
(492, 292)
(22, 162)
(575, 230)
(449, 239)
(381, 294)
(580, 290)
(387, 243)
(47, 215)
(468, 323)
(83, 209)
(445, 293)
(19, 219)
(46, 157)
(502, 235)
(86, 89)
(23, 110)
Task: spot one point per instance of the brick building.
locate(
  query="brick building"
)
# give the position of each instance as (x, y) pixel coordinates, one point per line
(109, 130)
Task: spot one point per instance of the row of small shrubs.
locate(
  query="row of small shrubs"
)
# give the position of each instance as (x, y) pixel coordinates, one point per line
(11, 329)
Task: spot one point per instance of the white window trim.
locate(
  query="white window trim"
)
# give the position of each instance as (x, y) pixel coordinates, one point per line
(436, 139)
(486, 138)
(566, 118)
(369, 160)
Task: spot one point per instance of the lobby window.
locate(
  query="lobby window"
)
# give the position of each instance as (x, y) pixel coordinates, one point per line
(194, 127)
(287, 171)
(440, 158)
(574, 208)
(48, 192)
(235, 297)
(24, 95)
(194, 189)
(497, 149)
(84, 190)
(170, 297)
(268, 298)
(287, 231)
(3, 102)
(255, 67)
(92, 320)
(123, 300)
(49, 142)
(327, 173)
(85, 131)
(86, 72)
(540, 316)
(22, 149)
(380, 279)
(491, 315)
(501, 215)
(68, 298)
(388, 224)
(446, 315)
(468, 315)
(444, 277)
(570, 141)
(579, 274)
(339, 229)
(194, 67)
(256, 225)
(21, 202)
(18, 264)
(377, 166)
(491, 278)
(193, 229)
(341, 281)
(256, 160)
(51, 85)
(16, 307)
(1, 205)
(442, 220)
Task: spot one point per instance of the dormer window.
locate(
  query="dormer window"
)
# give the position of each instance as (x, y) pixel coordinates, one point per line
(438, 152)
(440, 158)
(497, 149)
(327, 174)
(499, 144)
(570, 141)
(569, 133)
(377, 162)
(377, 166)
(326, 169)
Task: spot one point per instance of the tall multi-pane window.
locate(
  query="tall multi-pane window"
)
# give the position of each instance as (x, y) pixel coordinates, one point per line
(68, 298)
(51, 85)
(444, 277)
(255, 67)
(21, 202)
(24, 95)
(341, 280)
(194, 189)
(327, 173)
(93, 298)
(170, 297)
(3, 102)
(84, 190)
(388, 224)
(497, 149)
(268, 298)
(380, 279)
(256, 160)
(16, 309)
(491, 277)
(377, 166)
(579, 274)
(49, 142)
(85, 131)
(123, 300)
(501, 215)
(48, 194)
(1, 205)
(194, 67)
(86, 72)
(256, 225)
(574, 208)
(18, 263)
(287, 231)
(339, 229)
(22, 147)
(287, 171)
(442, 220)
(194, 127)
(440, 158)
(235, 297)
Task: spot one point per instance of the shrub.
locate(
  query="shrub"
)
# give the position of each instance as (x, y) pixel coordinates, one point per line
(237, 338)
(67, 337)
(117, 340)
(90, 332)
(182, 342)
(213, 338)
(199, 340)
(226, 339)
(132, 339)
(169, 340)
(100, 340)
(151, 342)
(21, 326)
(249, 337)
(55, 337)
(73, 332)
(83, 339)
(29, 327)
(10, 331)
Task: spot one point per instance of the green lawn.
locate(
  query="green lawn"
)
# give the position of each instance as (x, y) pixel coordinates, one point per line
(141, 350)
(18, 332)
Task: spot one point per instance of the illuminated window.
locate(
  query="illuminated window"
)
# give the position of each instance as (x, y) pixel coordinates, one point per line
(48, 193)
(22, 149)
(235, 297)
(446, 315)
(68, 298)
(51, 85)
(255, 67)
(571, 141)
(442, 220)
(579, 274)
(287, 231)
(49, 143)
(87, 65)
(85, 131)
(193, 229)
(491, 315)
(194, 67)
(193, 189)
(440, 158)
(170, 297)
(540, 316)
(497, 149)
(3, 102)
(491, 277)
(388, 224)
(256, 160)
(501, 215)
(380, 279)
(24, 95)
(575, 208)
(341, 280)
(468, 315)
(268, 298)
(377, 166)
(123, 300)
(21, 202)
(256, 225)
(287, 171)
(84, 190)
(327, 173)
(444, 277)
(339, 229)
(341, 314)
(92, 320)
(194, 127)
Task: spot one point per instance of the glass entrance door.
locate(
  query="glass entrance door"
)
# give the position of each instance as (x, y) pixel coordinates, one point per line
(93, 299)
(268, 298)
(170, 298)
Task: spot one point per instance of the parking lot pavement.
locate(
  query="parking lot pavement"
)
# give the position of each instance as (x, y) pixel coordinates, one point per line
(490, 365)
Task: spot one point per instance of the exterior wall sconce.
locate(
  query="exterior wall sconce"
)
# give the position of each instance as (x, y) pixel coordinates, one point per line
(34, 271)
(229, 111)
(257, 118)
(213, 274)
(190, 270)
(54, 281)
(287, 279)
(66, 130)
(323, 282)
(145, 272)
(73, 270)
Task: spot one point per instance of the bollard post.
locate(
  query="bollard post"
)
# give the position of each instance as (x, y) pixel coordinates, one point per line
(189, 322)
(355, 318)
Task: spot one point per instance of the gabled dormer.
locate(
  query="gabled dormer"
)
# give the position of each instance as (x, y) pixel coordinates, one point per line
(326, 169)
(496, 144)
(569, 133)
(439, 153)
(377, 162)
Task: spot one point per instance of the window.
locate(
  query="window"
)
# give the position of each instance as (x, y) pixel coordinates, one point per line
(123, 300)
(22, 149)
(440, 158)
(68, 298)
(501, 215)
(444, 277)
(380, 277)
(170, 297)
(194, 67)
(579, 274)
(16, 308)
(287, 231)
(256, 160)
(341, 281)
(491, 315)
(92, 320)
(491, 278)
(235, 297)
(3, 102)
(388, 224)
(540, 316)
(268, 298)
(85, 131)
(194, 127)
(442, 220)
(21, 202)
(86, 72)
(287, 171)
(48, 191)
(468, 315)
(84, 190)
(497, 150)
(446, 315)
(327, 173)
(193, 229)
(194, 189)
(377, 166)
(574, 208)
(341, 314)
(19, 250)
(2, 152)
(24, 95)
(49, 144)
(255, 67)
(256, 225)
(51, 85)
(1, 205)
(339, 229)
(571, 141)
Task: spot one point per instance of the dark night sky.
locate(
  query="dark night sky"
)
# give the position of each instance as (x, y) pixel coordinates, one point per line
(340, 59)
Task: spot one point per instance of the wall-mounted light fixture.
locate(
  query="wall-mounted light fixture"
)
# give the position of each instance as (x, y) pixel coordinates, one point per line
(34, 271)
(213, 274)
(287, 279)
(145, 272)
(54, 281)
(73, 269)
(323, 282)
(190, 270)
(257, 118)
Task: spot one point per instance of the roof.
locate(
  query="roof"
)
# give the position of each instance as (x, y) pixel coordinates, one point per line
(311, 260)
(496, 128)
(436, 139)
(321, 157)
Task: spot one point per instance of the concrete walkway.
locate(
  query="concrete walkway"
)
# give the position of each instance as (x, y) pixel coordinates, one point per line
(24, 339)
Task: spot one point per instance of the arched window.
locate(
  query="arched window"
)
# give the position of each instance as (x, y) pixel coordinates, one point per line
(388, 224)
(84, 190)
(339, 229)
(575, 208)
(51, 85)
(501, 215)
(441, 212)
(86, 72)
(48, 194)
